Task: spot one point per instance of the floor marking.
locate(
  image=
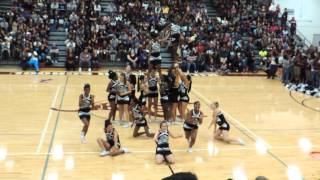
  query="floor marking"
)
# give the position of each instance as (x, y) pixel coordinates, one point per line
(153, 151)
(255, 138)
(44, 131)
(45, 167)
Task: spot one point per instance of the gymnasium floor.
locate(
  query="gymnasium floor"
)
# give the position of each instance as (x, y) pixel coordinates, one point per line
(38, 143)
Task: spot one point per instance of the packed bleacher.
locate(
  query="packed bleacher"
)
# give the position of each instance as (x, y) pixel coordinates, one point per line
(245, 36)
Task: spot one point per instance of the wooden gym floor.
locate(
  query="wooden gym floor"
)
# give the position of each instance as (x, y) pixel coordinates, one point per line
(37, 143)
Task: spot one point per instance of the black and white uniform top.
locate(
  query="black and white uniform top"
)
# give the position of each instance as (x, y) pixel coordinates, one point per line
(193, 124)
(138, 116)
(153, 87)
(175, 32)
(183, 92)
(84, 110)
(163, 143)
(110, 139)
(113, 91)
(222, 122)
(122, 88)
(155, 52)
(164, 92)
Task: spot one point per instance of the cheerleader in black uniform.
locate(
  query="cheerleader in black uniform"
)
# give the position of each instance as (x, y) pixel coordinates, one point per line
(152, 94)
(222, 131)
(86, 103)
(132, 81)
(139, 120)
(164, 97)
(184, 89)
(163, 152)
(190, 126)
(155, 50)
(111, 146)
(173, 77)
(123, 98)
(143, 88)
(112, 90)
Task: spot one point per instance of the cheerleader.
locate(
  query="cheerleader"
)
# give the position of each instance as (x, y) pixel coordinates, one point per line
(173, 78)
(184, 89)
(143, 88)
(123, 98)
(112, 90)
(164, 97)
(163, 152)
(152, 94)
(86, 103)
(190, 126)
(132, 81)
(140, 120)
(111, 146)
(221, 126)
(155, 50)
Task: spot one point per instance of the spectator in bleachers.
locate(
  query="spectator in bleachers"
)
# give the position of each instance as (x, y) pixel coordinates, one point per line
(85, 58)
(70, 61)
(54, 53)
(34, 61)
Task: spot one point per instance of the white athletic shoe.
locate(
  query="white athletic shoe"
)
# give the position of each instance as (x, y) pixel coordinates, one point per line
(189, 150)
(104, 153)
(125, 150)
(241, 142)
(89, 69)
(83, 137)
(80, 69)
(175, 123)
(126, 125)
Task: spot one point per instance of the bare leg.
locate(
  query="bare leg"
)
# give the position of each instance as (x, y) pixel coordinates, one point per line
(170, 159)
(149, 107)
(226, 138)
(155, 106)
(173, 111)
(86, 124)
(146, 129)
(193, 137)
(159, 159)
(103, 144)
(114, 151)
(136, 132)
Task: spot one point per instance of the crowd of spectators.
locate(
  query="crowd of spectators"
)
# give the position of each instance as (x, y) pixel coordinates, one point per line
(245, 36)
(24, 30)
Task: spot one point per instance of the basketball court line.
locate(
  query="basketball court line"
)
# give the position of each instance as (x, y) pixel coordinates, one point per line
(153, 151)
(255, 137)
(44, 130)
(45, 167)
(244, 128)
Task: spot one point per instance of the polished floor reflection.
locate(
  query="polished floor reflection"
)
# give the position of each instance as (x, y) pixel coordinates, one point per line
(38, 143)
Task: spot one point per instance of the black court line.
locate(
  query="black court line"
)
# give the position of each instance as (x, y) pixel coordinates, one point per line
(250, 137)
(45, 167)
(302, 103)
